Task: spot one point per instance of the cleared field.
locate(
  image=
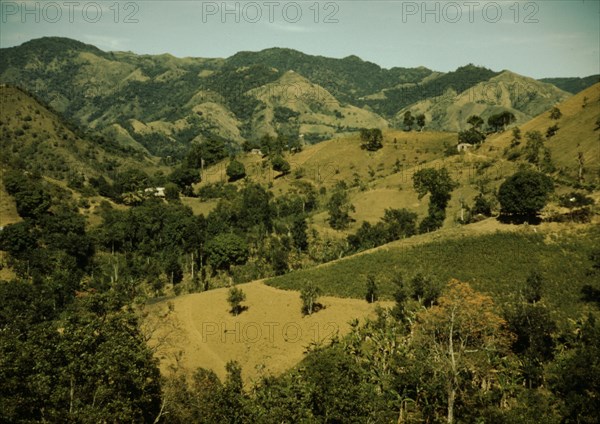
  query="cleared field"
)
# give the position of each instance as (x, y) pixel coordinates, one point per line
(270, 337)
(495, 262)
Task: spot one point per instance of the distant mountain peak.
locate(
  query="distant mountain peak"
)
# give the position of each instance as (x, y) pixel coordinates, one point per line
(60, 43)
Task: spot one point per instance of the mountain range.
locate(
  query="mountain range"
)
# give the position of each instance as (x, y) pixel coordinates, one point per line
(160, 104)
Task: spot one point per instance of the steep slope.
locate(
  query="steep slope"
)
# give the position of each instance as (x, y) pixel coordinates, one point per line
(578, 132)
(178, 101)
(522, 96)
(316, 110)
(573, 85)
(34, 138)
(102, 89)
(391, 100)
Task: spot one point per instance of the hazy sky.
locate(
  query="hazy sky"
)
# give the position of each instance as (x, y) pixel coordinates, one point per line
(535, 38)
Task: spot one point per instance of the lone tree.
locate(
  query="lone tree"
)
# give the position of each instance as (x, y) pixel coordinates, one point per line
(499, 121)
(372, 289)
(535, 144)
(516, 140)
(475, 121)
(463, 341)
(525, 193)
(309, 295)
(281, 165)
(235, 170)
(339, 207)
(438, 183)
(555, 113)
(235, 298)
(421, 121)
(371, 139)
(409, 120)
(473, 135)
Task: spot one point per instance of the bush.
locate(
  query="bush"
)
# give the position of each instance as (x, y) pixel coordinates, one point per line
(281, 165)
(309, 295)
(235, 170)
(235, 298)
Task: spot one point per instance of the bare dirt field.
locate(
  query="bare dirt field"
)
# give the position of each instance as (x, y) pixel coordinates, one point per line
(269, 337)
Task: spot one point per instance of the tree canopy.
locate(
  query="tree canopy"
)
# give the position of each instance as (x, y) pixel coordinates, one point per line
(525, 193)
(371, 139)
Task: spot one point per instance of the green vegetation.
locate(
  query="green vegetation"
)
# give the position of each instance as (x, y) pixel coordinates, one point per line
(473, 135)
(235, 170)
(395, 225)
(525, 193)
(498, 122)
(408, 121)
(339, 207)
(439, 185)
(226, 250)
(468, 259)
(281, 165)
(555, 113)
(451, 362)
(235, 297)
(371, 139)
(485, 327)
(398, 98)
(573, 85)
(309, 294)
(372, 293)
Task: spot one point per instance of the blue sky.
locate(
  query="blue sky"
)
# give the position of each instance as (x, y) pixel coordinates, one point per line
(533, 38)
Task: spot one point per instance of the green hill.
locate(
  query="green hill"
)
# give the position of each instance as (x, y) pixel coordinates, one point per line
(34, 138)
(574, 84)
(165, 103)
(496, 263)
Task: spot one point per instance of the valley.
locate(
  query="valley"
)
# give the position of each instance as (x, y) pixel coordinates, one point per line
(283, 237)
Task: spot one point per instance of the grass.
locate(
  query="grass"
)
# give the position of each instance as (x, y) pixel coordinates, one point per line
(269, 337)
(495, 263)
(576, 134)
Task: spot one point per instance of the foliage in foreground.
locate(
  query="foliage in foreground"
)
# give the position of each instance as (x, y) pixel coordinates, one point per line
(456, 361)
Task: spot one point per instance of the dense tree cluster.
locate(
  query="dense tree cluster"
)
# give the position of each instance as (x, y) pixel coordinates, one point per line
(500, 121)
(70, 348)
(441, 354)
(395, 225)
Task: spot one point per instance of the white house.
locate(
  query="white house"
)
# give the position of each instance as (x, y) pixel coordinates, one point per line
(463, 147)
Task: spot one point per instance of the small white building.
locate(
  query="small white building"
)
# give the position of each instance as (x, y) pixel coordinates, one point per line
(155, 191)
(463, 147)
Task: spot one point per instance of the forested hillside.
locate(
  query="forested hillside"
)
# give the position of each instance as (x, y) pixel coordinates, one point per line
(184, 240)
(167, 104)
